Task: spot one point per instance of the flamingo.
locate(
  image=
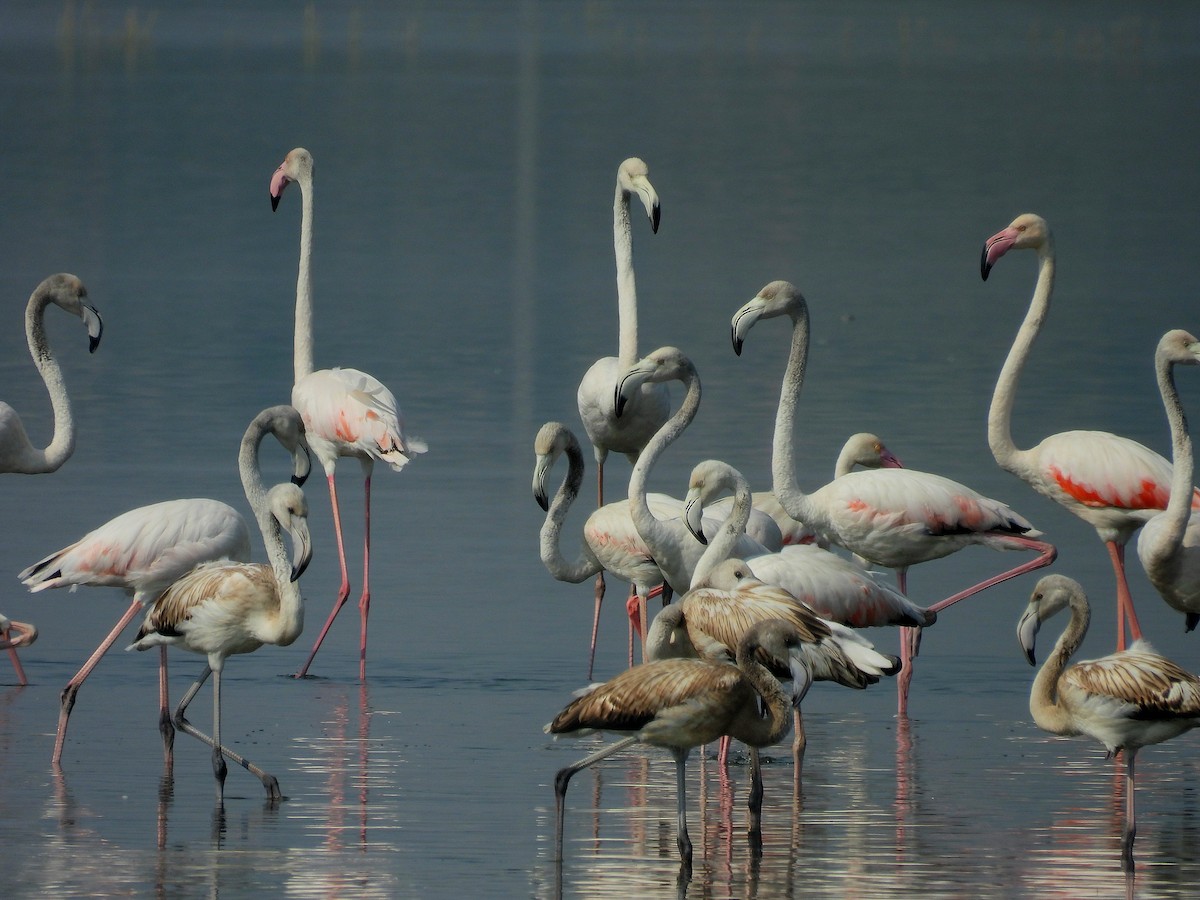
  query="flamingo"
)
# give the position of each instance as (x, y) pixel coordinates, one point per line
(1114, 484)
(346, 412)
(17, 453)
(1169, 544)
(144, 551)
(684, 703)
(629, 433)
(672, 546)
(611, 541)
(25, 634)
(890, 517)
(229, 607)
(1126, 700)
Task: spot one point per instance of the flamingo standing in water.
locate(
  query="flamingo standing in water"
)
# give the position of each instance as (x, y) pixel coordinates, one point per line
(1126, 700)
(1114, 484)
(346, 412)
(1169, 544)
(647, 411)
(230, 607)
(146, 550)
(889, 517)
(684, 703)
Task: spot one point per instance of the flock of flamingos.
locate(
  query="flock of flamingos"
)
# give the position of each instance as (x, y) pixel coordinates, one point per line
(764, 606)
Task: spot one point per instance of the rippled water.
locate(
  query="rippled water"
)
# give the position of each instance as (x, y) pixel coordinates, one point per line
(465, 163)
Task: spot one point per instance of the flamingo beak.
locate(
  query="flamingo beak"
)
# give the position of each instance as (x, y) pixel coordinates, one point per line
(743, 321)
(693, 517)
(1027, 630)
(539, 485)
(93, 323)
(801, 675)
(994, 248)
(301, 546)
(889, 460)
(279, 181)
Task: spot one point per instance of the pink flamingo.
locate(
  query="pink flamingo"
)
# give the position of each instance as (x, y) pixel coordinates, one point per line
(1127, 700)
(25, 634)
(346, 412)
(147, 549)
(1169, 544)
(890, 517)
(1114, 484)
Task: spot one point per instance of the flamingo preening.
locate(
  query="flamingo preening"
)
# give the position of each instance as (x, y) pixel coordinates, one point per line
(346, 412)
(228, 607)
(1114, 484)
(890, 517)
(1126, 700)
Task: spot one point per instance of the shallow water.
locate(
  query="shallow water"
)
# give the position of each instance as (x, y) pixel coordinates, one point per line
(463, 255)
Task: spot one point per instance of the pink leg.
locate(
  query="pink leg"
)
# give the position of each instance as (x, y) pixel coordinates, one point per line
(599, 589)
(67, 698)
(1047, 553)
(344, 590)
(364, 602)
(11, 645)
(165, 726)
(905, 675)
(1125, 613)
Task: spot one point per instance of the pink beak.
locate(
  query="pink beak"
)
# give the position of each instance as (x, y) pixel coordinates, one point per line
(994, 248)
(889, 459)
(278, 182)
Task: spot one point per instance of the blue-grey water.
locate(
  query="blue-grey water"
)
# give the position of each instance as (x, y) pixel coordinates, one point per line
(465, 160)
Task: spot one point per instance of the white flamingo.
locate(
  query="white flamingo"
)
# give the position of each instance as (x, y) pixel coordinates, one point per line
(228, 607)
(346, 412)
(17, 453)
(1126, 700)
(145, 550)
(1114, 484)
(889, 517)
(647, 411)
(610, 540)
(1169, 544)
(679, 704)
(14, 634)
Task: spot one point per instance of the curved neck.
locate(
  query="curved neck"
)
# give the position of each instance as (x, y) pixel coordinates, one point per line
(1000, 415)
(759, 731)
(302, 345)
(721, 547)
(660, 536)
(62, 444)
(586, 564)
(627, 318)
(1043, 698)
(1179, 507)
(783, 451)
(291, 613)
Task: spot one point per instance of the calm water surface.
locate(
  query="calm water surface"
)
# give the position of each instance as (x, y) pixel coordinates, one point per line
(465, 166)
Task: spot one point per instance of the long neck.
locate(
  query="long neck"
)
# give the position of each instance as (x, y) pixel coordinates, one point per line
(291, 613)
(720, 548)
(1044, 698)
(1000, 414)
(586, 564)
(662, 537)
(627, 319)
(783, 452)
(1179, 507)
(302, 346)
(753, 729)
(62, 444)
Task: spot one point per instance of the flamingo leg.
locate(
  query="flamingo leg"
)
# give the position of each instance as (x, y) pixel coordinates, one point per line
(269, 781)
(364, 603)
(905, 675)
(344, 589)
(1046, 555)
(1130, 830)
(681, 839)
(67, 698)
(599, 593)
(165, 726)
(754, 803)
(11, 644)
(1125, 612)
(563, 777)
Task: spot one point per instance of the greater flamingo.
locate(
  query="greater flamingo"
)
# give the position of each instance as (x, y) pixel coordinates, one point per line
(229, 607)
(610, 540)
(1114, 484)
(674, 549)
(629, 433)
(145, 550)
(1169, 544)
(25, 634)
(17, 453)
(346, 412)
(684, 703)
(1126, 700)
(889, 517)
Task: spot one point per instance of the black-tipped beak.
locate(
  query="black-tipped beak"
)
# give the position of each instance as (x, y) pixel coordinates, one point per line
(274, 202)
(655, 216)
(737, 341)
(984, 266)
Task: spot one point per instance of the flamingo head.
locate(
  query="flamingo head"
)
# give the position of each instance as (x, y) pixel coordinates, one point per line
(779, 646)
(1179, 347)
(296, 166)
(289, 507)
(664, 364)
(1027, 231)
(68, 293)
(552, 439)
(1051, 594)
(779, 298)
(633, 177)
